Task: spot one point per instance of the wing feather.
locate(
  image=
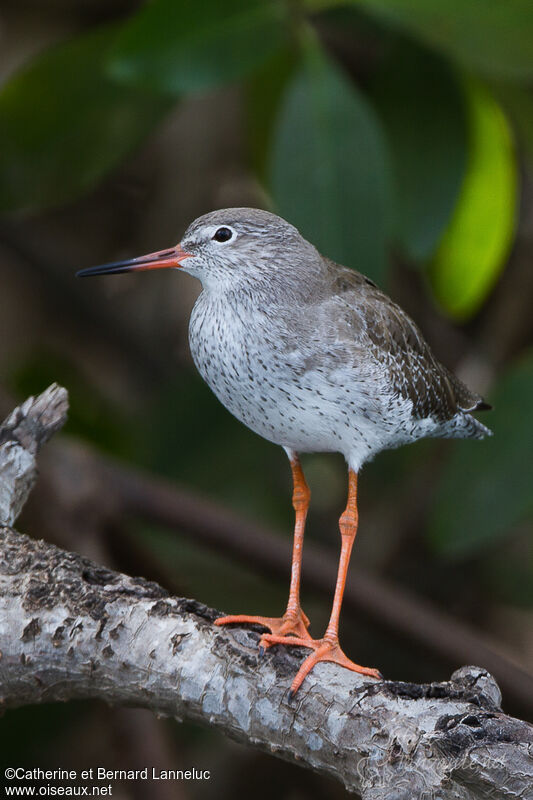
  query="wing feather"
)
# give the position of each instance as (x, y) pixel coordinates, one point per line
(398, 345)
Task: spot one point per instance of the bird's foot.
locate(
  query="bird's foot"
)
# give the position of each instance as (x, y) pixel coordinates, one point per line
(326, 649)
(291, 624)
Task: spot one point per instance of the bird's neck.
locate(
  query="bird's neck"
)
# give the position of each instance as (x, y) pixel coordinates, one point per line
(271, 288)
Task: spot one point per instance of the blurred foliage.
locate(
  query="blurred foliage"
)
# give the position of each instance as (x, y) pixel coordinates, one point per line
(264, 91)
(64, 124)
(186, 399)
(45, 723)
(469, 513)
(508, 576)
(420, 101)
(358, 168)
(474, 249)
(329, 171)
(221, 579)
(494, 38)
(412, 148)
(91, 416)
(398, 136)
(190, 47)
(517, 101)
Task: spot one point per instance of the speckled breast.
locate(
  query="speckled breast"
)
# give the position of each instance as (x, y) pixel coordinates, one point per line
(241, 356)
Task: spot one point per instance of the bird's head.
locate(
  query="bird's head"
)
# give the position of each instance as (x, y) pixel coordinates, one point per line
(224, 246)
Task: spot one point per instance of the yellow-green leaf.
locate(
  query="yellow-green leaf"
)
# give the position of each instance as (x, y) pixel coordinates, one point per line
(476, 244)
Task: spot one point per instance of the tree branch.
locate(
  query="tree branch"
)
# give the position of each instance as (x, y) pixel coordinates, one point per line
(22, 434)
(72, 629)
(115, 491)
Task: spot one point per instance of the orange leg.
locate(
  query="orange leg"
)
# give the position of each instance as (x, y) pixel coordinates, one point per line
(294, 622)
(328, 648)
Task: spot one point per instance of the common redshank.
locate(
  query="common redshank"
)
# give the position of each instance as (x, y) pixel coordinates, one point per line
(314, 357)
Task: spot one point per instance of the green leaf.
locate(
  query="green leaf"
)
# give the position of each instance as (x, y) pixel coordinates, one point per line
(494, 37)
(64, 125)
(486, 486)
(422, 107)
(329, 166)
(190, 46)
(476, 244)
(263, 96)
(517, 102)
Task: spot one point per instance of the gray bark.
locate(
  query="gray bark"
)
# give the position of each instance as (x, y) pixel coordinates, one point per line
(72, 629)
(22, 434)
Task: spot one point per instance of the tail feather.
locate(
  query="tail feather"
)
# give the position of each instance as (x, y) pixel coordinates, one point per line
(475, 428)
(464, 426)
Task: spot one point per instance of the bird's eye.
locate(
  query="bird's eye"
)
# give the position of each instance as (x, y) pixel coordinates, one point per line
(223, 234)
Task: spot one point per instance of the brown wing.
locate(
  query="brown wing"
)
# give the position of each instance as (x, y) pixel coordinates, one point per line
(397, 343)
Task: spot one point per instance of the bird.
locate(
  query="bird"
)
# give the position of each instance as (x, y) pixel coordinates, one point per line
(315, 357)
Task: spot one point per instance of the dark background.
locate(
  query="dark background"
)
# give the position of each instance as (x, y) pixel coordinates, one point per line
(398, 136)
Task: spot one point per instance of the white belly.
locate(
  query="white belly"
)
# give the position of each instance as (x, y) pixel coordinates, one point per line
(242, 360)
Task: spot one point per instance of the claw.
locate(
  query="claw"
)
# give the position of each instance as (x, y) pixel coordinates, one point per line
(291, 624)
(328, 650)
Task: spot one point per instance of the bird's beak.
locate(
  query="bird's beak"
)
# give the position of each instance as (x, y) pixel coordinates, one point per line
(158, 260)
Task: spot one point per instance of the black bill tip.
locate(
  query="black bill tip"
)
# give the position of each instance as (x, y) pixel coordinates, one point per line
(106, 269)
(161, 258)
